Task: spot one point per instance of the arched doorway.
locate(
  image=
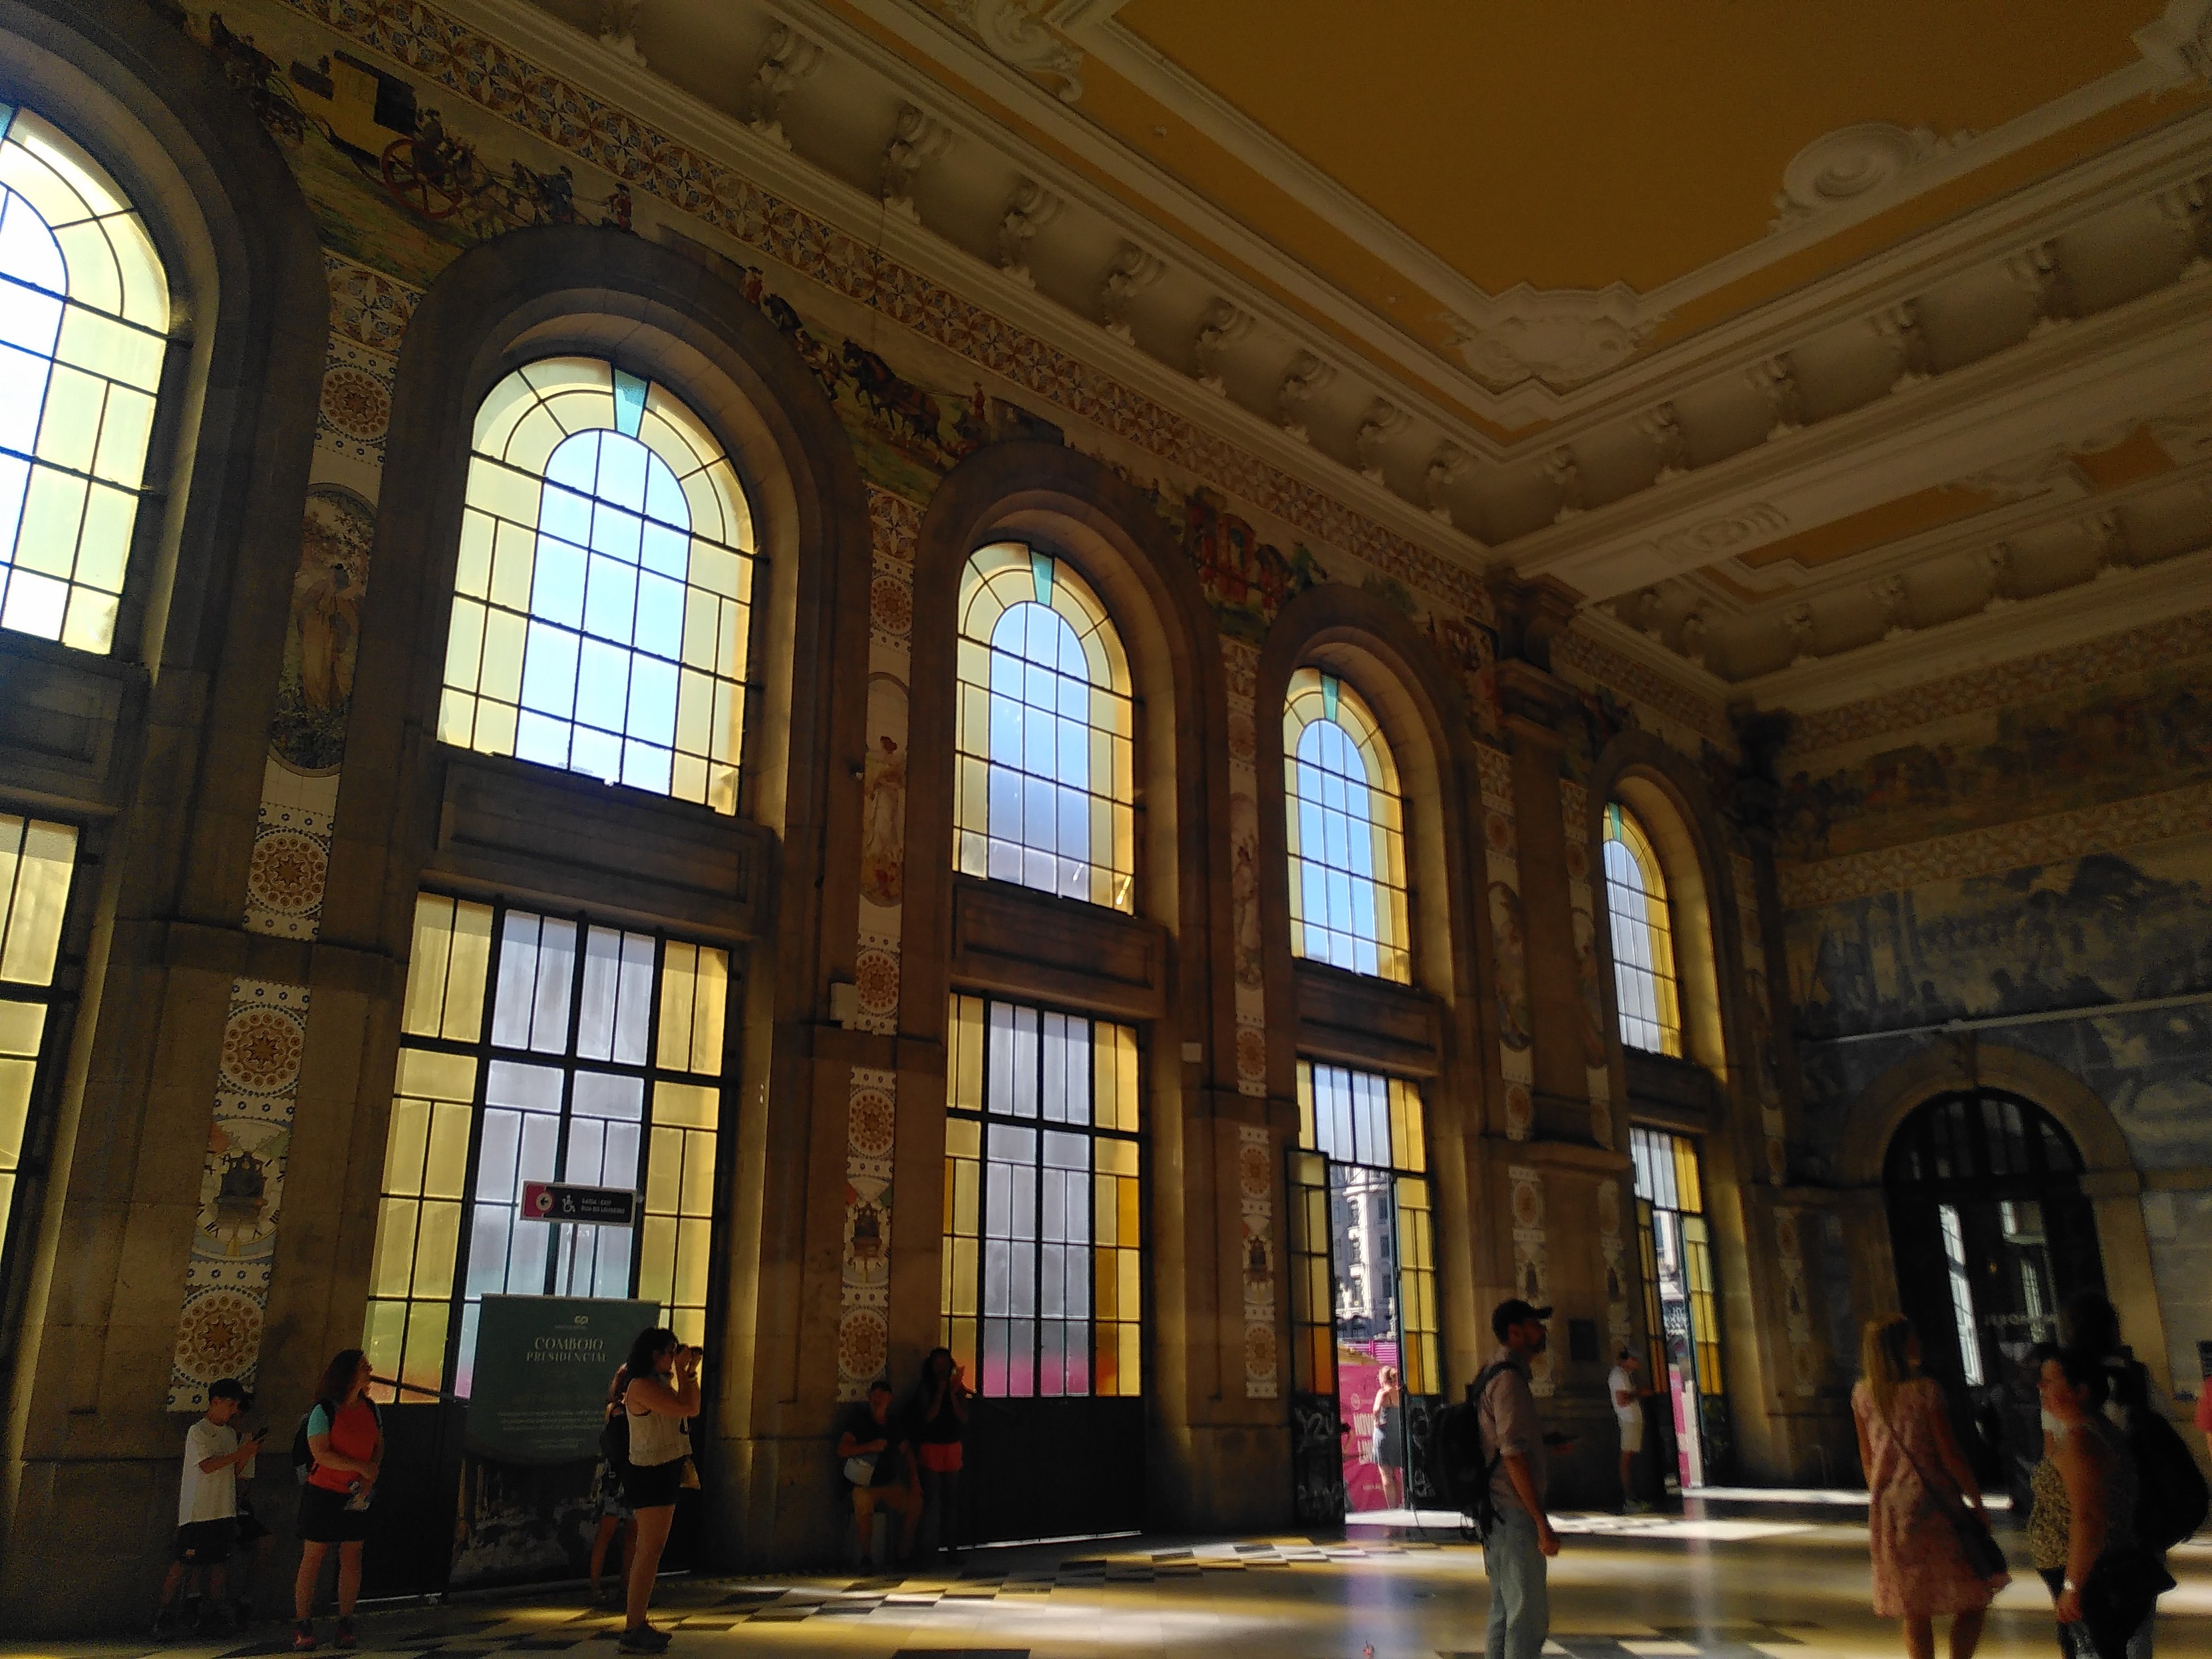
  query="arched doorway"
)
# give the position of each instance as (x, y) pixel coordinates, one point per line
(1991, 1233)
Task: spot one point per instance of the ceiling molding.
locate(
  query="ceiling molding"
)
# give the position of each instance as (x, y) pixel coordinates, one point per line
(1114, 44)
(2132, 360)
(2049, 622)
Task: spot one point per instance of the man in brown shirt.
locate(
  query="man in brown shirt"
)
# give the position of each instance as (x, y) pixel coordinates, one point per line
(1522, 1539)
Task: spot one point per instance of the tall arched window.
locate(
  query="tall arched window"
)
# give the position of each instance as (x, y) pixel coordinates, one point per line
(1347, 830)
(84, 319)
(1644, 976)
(1046, 765)
(604, 592)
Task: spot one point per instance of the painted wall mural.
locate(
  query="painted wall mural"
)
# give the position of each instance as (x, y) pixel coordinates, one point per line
(1589, 973)
(1517, 1030)
(1532, 1266)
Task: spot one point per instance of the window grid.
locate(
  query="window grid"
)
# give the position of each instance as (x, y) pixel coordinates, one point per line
(1346, 827)
(1046, 747)
(1670, 1201)
(84, 320)
(37, 859)
(540, 1048)
(1644, 979)
(1313, 1288)
(1042, 1287)
(1374, 1122)
(603, 594)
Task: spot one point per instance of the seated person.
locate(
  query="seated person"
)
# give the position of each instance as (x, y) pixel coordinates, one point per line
(879, 1464)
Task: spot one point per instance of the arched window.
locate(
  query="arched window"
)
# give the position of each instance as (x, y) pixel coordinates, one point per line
(1046, 766)
(84, 319)
(1644, 971)
(604, 592)
(1346, 829)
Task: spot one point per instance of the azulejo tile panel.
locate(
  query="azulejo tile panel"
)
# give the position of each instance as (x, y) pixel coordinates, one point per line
(1501, 840)
(241, 1191)
(1623, 675)
(1255, 1189)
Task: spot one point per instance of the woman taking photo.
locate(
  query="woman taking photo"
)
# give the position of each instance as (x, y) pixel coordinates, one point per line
(938, 1425)
(2082, 1534)
(345, 1438)
(662, 1392)
(1917, 1485)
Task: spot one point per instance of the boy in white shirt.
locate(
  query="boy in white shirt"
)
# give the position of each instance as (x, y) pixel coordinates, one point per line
(207, 1501)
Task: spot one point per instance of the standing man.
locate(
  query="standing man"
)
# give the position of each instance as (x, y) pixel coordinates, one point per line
(1628, 1408)
(1521, 1539)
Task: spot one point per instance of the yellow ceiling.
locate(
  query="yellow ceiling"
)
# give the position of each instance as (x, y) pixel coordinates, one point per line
(1579, 142)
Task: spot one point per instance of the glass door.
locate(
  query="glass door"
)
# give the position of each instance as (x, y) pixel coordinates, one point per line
(1681, 1304)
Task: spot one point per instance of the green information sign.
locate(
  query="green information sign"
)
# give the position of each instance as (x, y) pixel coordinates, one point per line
(543, 1366)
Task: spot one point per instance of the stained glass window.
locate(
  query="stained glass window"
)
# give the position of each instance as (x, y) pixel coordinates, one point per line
(1643, 937)
(36, 861)
(1345, 826)
(543, 1047)
(1370, 1127)
(84, 321)
(603, 591)
(1046, 766)
(1043, 1246)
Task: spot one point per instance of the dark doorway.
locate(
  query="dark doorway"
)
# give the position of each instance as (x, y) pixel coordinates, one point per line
(1991, 1234)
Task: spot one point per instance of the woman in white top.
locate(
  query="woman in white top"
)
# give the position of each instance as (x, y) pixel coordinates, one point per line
(663, 1391)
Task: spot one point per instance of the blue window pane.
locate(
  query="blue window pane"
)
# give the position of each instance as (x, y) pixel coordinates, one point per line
(15, 483)
(576, 463)
(549, 670)
(566, 514)
(645, 766)
(660, 615)
(598, 753)
(557, 587)
(610, 601)
(541, 739)
(29, 318)
(616, 532)
(27, 249)
(666, 550)
(622, 471)
(602, 685)
(664, 497)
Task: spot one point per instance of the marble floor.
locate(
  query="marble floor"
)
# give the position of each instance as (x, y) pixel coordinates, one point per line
(1727, 1580)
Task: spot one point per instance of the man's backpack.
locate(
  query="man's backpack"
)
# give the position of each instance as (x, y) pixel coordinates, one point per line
(2171, 1496)
(1461, 1474)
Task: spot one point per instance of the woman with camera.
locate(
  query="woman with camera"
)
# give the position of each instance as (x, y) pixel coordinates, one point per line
(662, 1393)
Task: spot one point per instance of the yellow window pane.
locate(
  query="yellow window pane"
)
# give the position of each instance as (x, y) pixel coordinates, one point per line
(964, 1138)
(494, 733)
(464, 979)
(699, 1175)
(424, 1366)
(89, 623)
(1132, 1358)
(41, 873)
(502, 492)
(21, 1024)
(437, 1241)
(431, 958)
(514, 563)
(394, 1263)
(103, 547)
(446, 1164)
(16, 1078)
(45, 539)
(964, 1254)
(457, 717)
(709, 1010)
(145, 289)
(1115, 1157)
(404, 1144)
(687, 1105)
(535, 437)
(109, 348)
(68, 430)
(1127, 1262)
(472, 568)
(664, 1172)
(501, 675)
(656, 1259)
(692, 1251)
(121, 458)
(465, 644)
(965, 1213)
(383, 1333)
(678, 973)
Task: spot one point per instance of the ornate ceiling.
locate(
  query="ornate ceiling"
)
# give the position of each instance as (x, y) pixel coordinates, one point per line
(1818, 349)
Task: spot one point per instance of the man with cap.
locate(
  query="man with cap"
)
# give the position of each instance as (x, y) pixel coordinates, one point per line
(1514, 1553)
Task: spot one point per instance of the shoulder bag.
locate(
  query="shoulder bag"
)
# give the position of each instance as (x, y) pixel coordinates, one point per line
(1985, 1556)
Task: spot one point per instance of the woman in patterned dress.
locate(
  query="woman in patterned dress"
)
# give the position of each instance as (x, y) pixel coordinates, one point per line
(1915, 1475)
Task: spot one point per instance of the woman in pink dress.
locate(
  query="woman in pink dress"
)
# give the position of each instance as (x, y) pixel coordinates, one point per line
(1916, 1478)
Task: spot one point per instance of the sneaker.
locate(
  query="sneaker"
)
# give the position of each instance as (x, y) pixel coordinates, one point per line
(344, 1639)
(644, 1639)
(303, 1636)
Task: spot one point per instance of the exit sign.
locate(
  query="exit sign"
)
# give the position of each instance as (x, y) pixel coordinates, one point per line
(594, 1206)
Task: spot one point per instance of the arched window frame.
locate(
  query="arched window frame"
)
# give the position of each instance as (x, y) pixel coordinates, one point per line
(85, 313)
(995, 581)
(1646, 976)
(1318, 698)
(523, 424)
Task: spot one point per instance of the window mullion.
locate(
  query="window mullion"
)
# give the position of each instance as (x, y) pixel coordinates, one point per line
(463, 1249)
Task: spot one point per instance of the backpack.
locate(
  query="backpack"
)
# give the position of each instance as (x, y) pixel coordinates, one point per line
(303, 1454)
(1461, 1475)
(2171, 1496)
(614, 1439)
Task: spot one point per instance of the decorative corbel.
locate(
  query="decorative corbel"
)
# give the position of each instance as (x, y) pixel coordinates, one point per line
(1996, 563)
(1134, 271)
(2114, 552)
(1896, 605)
(1222, 326)
(2183, 208)
(619, 28)
(2035, 271)
(1664, 428)
(1899, 325)
(1443, 473)
(788, 58)
(1306, 375)
(1382, 422)
(1697, 626)
(1565, 473)
(1797, 622)
(917, 137)
(1777, 381)
(1531, 614)
(1033, 208)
